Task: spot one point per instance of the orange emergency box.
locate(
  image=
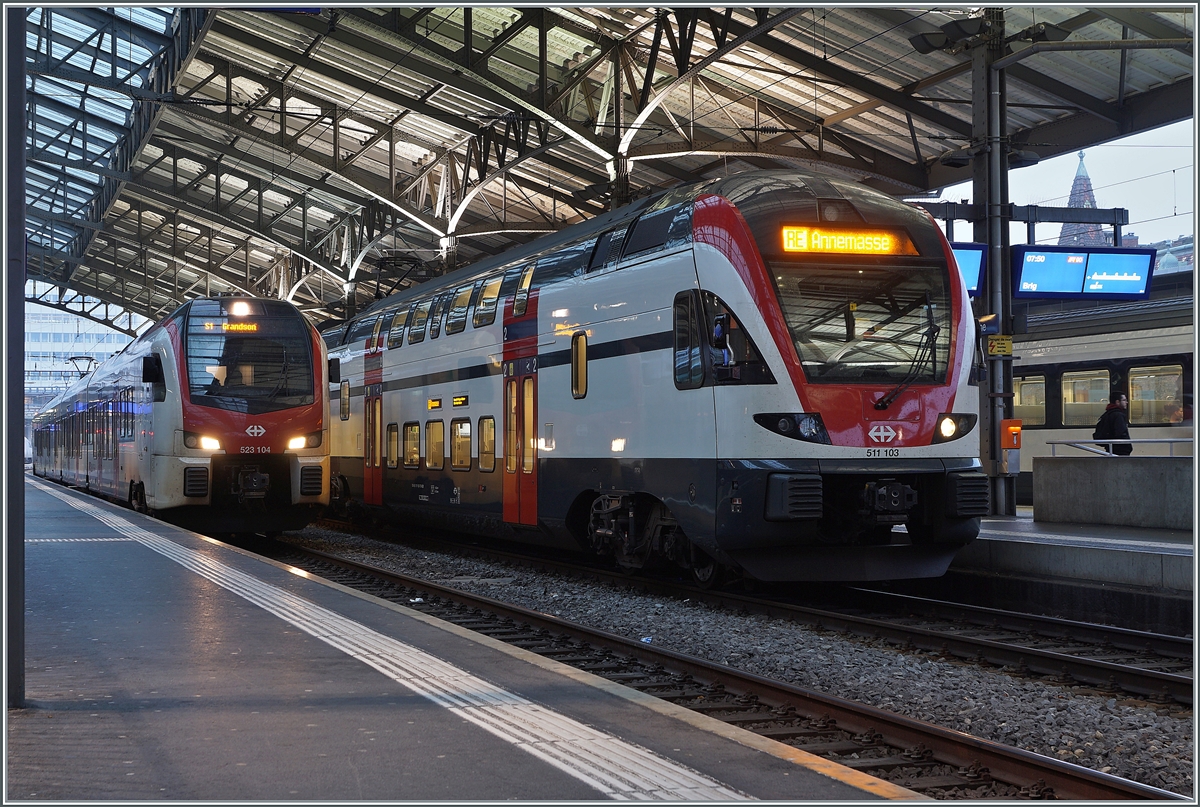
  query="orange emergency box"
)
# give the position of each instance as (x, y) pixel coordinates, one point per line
(1010, 434)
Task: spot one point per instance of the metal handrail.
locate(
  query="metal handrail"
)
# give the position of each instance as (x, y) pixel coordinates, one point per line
(1091, 445)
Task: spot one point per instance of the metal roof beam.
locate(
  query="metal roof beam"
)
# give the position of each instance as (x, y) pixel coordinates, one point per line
(854, 80)
(1145, 111)
(144, 116)
(1137, 20)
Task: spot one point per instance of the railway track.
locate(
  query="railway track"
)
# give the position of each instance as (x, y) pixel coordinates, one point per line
(1153, 666)
(933, 761)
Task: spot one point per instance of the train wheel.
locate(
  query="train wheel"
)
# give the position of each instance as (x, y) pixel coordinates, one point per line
(706, 571)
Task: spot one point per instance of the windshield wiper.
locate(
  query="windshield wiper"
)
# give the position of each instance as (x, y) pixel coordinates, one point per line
(926, 352)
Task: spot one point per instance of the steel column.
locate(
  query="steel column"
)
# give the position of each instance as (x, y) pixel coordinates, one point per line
(14, 363)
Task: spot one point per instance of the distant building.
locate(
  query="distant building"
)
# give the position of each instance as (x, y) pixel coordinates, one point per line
(52, 338)
(1083, 235)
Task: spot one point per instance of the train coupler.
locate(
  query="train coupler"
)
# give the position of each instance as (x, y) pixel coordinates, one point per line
(889, 501)
(252, 484)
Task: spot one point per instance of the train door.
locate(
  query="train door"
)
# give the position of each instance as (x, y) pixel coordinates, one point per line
(520, 441)
(520, 403)
(373, 417)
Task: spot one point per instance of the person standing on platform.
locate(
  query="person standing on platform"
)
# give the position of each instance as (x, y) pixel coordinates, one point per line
(1114, 425)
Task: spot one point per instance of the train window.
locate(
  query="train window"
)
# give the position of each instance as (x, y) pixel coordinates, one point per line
(600, 252)
(440, 304)
(333, 337)
(396, 332)
(412, 445)
(416, 330)
(377, 433)
(435, 444)
(579, 365)
(362, 329)
(393, 445)
(485, 309)
(1084, 396)
(127, 413)
(456, 321)
(511, 449)
(530, 429)
(487, 444)
(649, 232)
(344, 401)
(1029, 400)
(522, 298)
(460, 445)
(1156, 394)
(689, 364)
(739, 361)
(382, 327)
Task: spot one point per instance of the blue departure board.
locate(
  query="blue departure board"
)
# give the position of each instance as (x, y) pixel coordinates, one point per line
(1115, 273)
(972, 259)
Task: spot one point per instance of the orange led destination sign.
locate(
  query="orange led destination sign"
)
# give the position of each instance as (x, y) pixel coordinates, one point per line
(235, 327)
(846, 242)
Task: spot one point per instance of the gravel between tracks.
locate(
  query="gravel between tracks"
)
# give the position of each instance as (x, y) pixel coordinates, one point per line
(1132, 739)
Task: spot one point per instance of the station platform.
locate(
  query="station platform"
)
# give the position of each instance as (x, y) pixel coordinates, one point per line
(1128, 577)
(163, 665)
(1126, 556)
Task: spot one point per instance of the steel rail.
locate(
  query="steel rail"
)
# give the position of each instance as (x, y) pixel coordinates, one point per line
(1017, 658)
(1006, 764)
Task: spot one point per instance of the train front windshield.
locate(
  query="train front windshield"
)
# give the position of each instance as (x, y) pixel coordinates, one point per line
(867, 320)
(251, 356)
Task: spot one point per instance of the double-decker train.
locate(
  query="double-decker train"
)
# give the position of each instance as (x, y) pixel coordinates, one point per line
(1062, 379)
(215, 418)
(762, 374)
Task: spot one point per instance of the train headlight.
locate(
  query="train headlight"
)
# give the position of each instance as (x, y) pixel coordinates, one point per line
(310, 440)
(951, 427)
(193, 440)
(806, 426)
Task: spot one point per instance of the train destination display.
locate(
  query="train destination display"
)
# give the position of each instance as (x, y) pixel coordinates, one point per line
(1083, 273)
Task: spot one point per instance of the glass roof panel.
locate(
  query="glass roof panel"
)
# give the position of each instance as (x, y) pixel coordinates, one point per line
(81, 121)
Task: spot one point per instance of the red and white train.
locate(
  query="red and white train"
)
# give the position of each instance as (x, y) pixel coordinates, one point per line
(215, 418)
(764, 373)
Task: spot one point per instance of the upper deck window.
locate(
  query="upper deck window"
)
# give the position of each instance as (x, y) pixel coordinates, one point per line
(457, 319)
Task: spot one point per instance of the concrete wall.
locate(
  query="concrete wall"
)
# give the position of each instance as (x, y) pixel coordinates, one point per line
(1151, 492)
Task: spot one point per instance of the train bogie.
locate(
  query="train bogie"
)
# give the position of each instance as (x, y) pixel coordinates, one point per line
(674, 382)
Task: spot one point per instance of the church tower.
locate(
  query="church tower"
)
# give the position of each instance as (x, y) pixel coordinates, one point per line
(1083, 235)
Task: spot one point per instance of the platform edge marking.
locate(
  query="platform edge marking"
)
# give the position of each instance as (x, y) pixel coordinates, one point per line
(496, 710)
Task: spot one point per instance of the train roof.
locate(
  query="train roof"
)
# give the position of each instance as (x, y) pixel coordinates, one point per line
(809, 194)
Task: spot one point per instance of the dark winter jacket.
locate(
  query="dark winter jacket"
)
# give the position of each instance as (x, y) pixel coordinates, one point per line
(1113, 425)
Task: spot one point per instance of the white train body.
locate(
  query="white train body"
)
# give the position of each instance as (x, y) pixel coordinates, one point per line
(1062, 384)
(623, 425)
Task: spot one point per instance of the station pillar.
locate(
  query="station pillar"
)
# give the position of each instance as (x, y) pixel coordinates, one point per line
(989, 135)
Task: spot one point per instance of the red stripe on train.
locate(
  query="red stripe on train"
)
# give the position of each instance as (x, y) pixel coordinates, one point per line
(847, 410)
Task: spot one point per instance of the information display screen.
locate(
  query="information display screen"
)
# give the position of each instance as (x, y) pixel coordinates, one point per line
(1081, 273)
(972, 258)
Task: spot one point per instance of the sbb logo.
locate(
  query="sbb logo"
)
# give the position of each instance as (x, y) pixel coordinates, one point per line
(882, 434)
(255, 430)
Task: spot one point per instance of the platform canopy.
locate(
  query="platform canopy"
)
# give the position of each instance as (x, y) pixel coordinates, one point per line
(327, 156)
